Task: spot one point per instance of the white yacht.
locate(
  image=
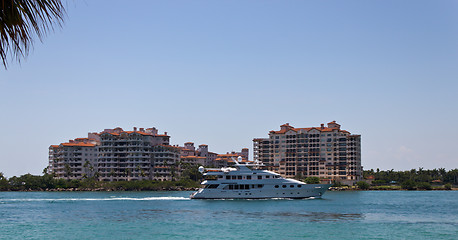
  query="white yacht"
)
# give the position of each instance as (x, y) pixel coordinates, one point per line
(247, 181)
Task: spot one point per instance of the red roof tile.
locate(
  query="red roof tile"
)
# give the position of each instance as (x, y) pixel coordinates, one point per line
(79, 144)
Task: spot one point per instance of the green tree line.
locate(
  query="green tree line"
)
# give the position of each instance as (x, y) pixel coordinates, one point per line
(413, 179)
(28, 182)
(420, 175)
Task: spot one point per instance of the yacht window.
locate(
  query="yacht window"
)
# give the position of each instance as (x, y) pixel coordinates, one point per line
(276, 186)
(231, 187)
(212, 186)
(260, 185)
(220, 176)
(228, 177)
(267, 176)
(284, 186)
(259, 177)
(239, 177)
(291, 186)
(236, 187)
(248, 177)
(299, 186)
(234, 177)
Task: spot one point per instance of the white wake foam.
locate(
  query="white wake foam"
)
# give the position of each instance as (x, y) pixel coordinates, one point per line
(93, 199)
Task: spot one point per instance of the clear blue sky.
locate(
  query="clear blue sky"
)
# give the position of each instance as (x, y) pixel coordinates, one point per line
(225, 72)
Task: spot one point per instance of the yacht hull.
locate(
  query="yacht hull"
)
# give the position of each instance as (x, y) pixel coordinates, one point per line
(306, 191)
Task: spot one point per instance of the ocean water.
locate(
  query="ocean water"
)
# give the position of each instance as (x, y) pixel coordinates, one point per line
(172, 215)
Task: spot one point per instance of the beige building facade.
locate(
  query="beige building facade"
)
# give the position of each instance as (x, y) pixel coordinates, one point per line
(141, 154)
(327, 152)
(75, 159)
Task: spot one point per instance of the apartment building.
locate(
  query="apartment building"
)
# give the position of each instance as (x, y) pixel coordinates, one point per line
(200, 156)
(75, 159)
(141, 154)
(165, 162)
(135, 155)
(225, 160)
(327, 152)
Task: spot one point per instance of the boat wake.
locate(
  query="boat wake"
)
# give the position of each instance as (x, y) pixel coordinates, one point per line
(92, 199)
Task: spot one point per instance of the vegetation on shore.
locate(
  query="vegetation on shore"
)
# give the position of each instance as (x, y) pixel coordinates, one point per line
(421, 179)
(46, 182)
(436, 179)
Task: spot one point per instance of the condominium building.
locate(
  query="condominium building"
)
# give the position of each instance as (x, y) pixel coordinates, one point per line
(225, 160)
(201, 156)
(118, 155)
(165, 163)
(327, 152)
(75, 159)
(134, 155)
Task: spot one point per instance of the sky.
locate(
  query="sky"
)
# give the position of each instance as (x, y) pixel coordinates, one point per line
(224, 72)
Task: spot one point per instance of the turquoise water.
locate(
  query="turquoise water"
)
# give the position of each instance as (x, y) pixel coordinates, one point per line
(172, 215)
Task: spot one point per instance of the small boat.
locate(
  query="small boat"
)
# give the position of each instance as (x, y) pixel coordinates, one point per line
(248, 181)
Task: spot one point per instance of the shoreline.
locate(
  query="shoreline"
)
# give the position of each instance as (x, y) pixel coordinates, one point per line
(336, 189)
(167, 189)
(104, 190)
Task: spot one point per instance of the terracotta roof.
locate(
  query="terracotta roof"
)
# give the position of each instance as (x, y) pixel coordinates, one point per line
(54, 146)
(116, 134)
(192, 157)
(79, 144)
(172, 146)
(228, 155)
(167, 146)
(161, 167)
(142, 133)
(325, 129)
(330, 129)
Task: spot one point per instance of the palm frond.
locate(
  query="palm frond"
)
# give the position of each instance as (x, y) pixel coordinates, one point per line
(21, 20)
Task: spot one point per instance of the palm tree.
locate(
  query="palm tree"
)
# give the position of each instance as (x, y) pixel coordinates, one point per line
(21, 20)
(68, 171)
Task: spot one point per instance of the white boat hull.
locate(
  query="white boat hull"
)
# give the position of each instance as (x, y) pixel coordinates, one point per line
(268, 191)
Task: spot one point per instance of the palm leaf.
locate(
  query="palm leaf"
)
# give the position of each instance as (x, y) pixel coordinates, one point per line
(21, 20)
